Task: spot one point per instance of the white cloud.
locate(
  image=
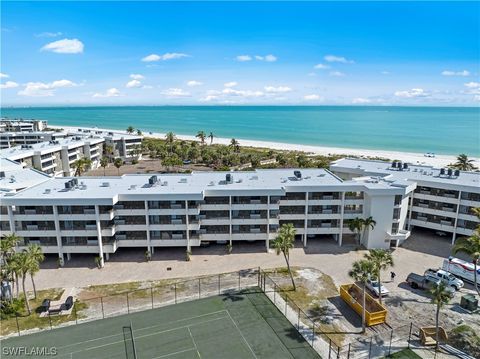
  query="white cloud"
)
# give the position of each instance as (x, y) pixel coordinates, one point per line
(41, 89)
(336, 73)
(137, 77)
(8, 85)
(230, 84)
(243, 58)
(312, 74)
(385, 73)
(3, 76)
(111, 92)
(65, 46)
(456, 73)
(48, 34)
(280, 89)
(209, 98)
(361, 100)
(321, 67)
(193, 83)
(312, 97)
(242, 93)
(472, 85)
(341, 59)
(164, 57)
(175, 92)
(412, 93)
(133, 84)
(270, 58)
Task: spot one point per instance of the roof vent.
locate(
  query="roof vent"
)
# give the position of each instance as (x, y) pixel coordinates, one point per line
(229, 178)
(133, 186)
(105, 184)
(297, 174)
(254, 178)
(442, 171)
(152, 180)
(211, 183)
(239, 180)
(450, 172)
(47, 191)
(457, 173)
(183, 180)
(2, 174)
(164, 183)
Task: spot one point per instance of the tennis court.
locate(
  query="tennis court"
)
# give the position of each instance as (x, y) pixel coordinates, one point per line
(236, 325)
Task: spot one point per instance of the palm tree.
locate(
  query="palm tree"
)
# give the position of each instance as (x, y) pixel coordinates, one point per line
(35, 255)
(361, 271)
(139, 132)
(7, 245)
(104, 163)
(81, 165)
(24, 264)
(381, 260)
(463, 163)
(283, 243)
(440, 297)
(476, 212)
(235, 145)
(366, 224)
(471, 247)
(170, 139)
(108, 150)
(201, 136)
(130, 129)
(211, 136)
(9, 270)
(118, 163)
(356, 226)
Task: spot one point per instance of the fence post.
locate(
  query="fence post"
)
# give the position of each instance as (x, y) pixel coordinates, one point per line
(370, 347)
(239, 287)
(286, 302)
(298, 319)
(128, 304)
(219, 284)
(258, 277)
(348, 354)
(75, 311)
(409, 335)
(103, 312)
(175, 292)
(151, 294)
(50, 320)
(199, 290)
(339, 349)
(329, 347)
(18, 326)
(313, 332)
(390, 345)
(274, 293)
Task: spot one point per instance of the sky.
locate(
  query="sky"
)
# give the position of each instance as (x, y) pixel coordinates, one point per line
(217, 53)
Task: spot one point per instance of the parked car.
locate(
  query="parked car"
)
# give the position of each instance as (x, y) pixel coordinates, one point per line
(446, 277)
(68, 302)
(372, 285)
(45, 305)
(426, 282)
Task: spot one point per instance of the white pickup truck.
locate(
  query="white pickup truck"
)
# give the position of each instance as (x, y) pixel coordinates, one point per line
(446, 277)
(461, 269)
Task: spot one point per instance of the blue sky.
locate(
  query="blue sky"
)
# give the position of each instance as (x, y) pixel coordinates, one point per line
(65, 53)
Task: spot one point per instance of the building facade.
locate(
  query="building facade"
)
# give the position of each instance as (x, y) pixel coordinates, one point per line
(99, 215)
(442, 200)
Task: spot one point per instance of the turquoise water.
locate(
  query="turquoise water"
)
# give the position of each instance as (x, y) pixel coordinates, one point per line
(409, 129)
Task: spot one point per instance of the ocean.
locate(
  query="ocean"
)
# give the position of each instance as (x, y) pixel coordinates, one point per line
(442, 130)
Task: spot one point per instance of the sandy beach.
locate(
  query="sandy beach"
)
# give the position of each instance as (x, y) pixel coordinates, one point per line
(414, 158)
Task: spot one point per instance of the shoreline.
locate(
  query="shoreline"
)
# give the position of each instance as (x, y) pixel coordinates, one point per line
(410, 157)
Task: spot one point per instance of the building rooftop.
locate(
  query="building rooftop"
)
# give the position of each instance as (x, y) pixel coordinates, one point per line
(413, 173)
(104, 133)
(47, 146)
(14, 177)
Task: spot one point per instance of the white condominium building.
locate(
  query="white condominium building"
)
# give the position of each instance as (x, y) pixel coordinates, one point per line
(443, 198)
(101, 214)
(12, 139)
(57, 157)
(7, 125)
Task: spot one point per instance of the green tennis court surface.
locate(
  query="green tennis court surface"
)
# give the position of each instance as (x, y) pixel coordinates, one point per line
(239, 325)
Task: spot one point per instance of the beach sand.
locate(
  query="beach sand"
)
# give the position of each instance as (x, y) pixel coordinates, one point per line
(414, 158)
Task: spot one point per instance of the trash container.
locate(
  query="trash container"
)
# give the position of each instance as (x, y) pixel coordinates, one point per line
(469, 302)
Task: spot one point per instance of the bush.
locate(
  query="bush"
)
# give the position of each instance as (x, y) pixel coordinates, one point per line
(9, 309)
(465, 339)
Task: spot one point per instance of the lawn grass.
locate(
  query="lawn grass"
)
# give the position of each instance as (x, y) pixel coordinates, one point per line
(32, 321)
(404, 354)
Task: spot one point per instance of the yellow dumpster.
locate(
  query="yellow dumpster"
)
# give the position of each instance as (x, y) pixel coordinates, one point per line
(375, 313)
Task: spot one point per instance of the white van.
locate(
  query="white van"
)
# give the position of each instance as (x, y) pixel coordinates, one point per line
(461, 269)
